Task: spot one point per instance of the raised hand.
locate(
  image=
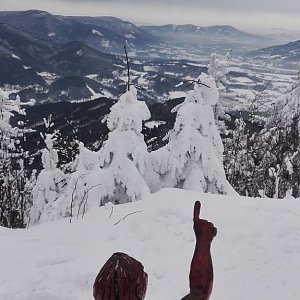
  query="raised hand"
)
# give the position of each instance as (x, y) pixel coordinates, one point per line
(204, 230)
(201, 273)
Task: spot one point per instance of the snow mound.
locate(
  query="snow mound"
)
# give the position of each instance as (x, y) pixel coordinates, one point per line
(256, 252)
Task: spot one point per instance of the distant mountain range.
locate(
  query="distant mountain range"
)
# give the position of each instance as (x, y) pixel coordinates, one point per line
(59, 58)
(283, 55)
(102, 33)
(109, 34)
(218, 38)
(33, 66)
(72, 58)
(208, 34)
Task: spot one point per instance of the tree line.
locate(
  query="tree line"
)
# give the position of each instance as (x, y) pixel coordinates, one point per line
(265, 163)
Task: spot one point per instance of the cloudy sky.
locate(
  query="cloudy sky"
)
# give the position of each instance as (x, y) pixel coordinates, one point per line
(249, 14)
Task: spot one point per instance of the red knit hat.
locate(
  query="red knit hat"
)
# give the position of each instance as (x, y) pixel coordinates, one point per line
(121, 278)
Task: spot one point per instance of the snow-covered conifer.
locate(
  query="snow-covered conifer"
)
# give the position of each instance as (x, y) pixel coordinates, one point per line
(126, 167)
(192, 159)
(279, 162)
(218, 68)
(50, 180)
(239, 159)
(81, 192)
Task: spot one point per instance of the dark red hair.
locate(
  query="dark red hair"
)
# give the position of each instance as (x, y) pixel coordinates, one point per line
(121, 278)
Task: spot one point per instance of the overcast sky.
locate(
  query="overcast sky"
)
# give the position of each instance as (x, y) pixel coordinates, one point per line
(247, 14)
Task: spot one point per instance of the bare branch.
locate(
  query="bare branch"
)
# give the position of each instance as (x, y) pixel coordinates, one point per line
(87, 196)
(112, 210)
(128, 83)
(135, 212)
(197, 82)
(73, 192)
(128, 69)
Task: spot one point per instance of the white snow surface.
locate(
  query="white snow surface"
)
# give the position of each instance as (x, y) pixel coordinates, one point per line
(15, 56)
(154, 124)
(256, 252)
(129, 36)
(177, 94)
(97, 32)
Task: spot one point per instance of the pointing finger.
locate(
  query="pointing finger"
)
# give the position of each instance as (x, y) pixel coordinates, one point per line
(197, 207)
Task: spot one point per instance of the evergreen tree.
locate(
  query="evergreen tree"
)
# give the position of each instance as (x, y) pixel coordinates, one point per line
(278, 166)
(125, 161)
(239, 161)
(218, 68)
(50, 181)
(192, 159)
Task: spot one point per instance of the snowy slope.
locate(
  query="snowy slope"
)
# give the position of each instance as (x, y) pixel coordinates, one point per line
(256, 252)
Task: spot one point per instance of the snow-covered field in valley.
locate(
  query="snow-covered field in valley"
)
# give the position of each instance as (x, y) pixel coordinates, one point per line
(256, 252)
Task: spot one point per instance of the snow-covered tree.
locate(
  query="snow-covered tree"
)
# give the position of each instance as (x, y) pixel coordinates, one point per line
(127, 172)
(192, 159)
(278, 166)
(15, 180)
(218, 68)
(287, 106)
(239, 159)
(83, 185)
(50, 180)
(119, 172)
(279, 159)
(81, 192)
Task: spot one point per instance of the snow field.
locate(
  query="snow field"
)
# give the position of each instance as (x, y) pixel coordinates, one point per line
(255, 254)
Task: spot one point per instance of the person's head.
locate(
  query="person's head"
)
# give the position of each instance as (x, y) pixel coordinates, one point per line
(121, 278)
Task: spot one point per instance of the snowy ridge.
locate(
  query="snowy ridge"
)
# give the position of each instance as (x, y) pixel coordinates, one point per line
(255, 253)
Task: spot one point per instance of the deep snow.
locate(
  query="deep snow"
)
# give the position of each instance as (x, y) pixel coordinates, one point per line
(256, 252)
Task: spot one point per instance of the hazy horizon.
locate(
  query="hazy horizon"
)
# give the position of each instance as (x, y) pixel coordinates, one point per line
(257, 15)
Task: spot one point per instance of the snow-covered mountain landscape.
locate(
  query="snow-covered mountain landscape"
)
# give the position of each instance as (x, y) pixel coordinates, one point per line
(64, 47)
(111, 129)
